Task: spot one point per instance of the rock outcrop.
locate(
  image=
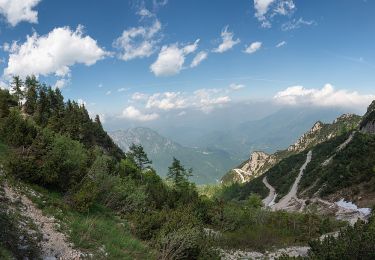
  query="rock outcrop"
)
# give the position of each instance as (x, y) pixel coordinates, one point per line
(368, 121)
(258, 163)
(306, 139)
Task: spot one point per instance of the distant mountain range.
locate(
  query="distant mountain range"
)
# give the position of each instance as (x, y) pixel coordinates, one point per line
(213, 154)
(208, 164)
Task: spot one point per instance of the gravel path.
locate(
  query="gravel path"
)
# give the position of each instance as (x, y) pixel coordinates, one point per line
(285, 201)
(270, 199)
(54, 244)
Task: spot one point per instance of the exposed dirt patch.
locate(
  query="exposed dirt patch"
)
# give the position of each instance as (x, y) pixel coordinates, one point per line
(54, 244)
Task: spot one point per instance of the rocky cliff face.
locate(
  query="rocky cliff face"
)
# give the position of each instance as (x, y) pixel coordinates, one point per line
(306, 139)
(368, 121)
(258, 163)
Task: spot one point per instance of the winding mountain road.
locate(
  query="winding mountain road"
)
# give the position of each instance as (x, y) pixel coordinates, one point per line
(270, 199)
(285, 201)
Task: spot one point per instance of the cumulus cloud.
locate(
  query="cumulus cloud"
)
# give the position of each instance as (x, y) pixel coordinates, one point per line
(166, 101)
(134, 114)
(326, 96)
(202, 99)
(138, 42)
(253, 47)
(171, 59)
(201, 56)
(53, 53)
(205, 99)
(109, 92)
(227, 41)
(295, 24)
(16, 11)
(61, 83)
(265, 10)
(281, 44)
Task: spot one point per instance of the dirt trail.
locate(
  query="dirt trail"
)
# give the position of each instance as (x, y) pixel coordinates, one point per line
(54, 244)
(270, 199)
(286, 200)
(341, 146)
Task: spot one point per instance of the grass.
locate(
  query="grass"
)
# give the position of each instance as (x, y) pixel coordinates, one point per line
(99, 233)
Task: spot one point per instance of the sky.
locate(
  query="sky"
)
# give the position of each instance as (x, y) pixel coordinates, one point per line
(163, 60)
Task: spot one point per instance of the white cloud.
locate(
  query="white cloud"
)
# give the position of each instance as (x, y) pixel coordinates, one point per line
(295, 24)
(134, 114)
(235, 87)
(281, 44)
(227, 41)
(122, 89)
(16, 11)
(139, 96)
(201, 56)
(265, 10)
(61, 83)
(171, 59)
(143, 12)
(53, 53)
(108, 93)
(166, 101)
(202, 99)
(208, 99)
(100, 85)
(253, 47)
(138, 42)
(327, 96)
(158, 3)
(3, 85)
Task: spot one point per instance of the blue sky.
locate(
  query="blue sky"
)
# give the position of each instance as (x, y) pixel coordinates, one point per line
(133, 60)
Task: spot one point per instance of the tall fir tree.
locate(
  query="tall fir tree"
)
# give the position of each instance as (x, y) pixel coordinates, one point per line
(16, 86)
(31, 85)
(178, 174)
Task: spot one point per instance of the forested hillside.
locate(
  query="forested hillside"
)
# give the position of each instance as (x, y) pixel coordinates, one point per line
(114, 205)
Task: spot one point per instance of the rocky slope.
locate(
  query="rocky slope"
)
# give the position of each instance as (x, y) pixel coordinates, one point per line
(260, 162)
(330, 169)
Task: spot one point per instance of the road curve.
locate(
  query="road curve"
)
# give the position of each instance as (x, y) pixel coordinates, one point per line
(284, 202)
(270, 199)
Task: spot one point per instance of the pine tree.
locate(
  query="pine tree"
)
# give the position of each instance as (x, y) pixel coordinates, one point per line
(178, 174)
(139, 156)
(31, 85)
(17, 86)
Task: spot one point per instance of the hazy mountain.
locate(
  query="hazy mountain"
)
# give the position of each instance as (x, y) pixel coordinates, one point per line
(208, 164)
(269, 134)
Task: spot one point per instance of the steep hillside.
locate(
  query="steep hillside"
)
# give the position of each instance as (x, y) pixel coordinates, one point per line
(320, 132)
(329, 168)
(208, 164)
